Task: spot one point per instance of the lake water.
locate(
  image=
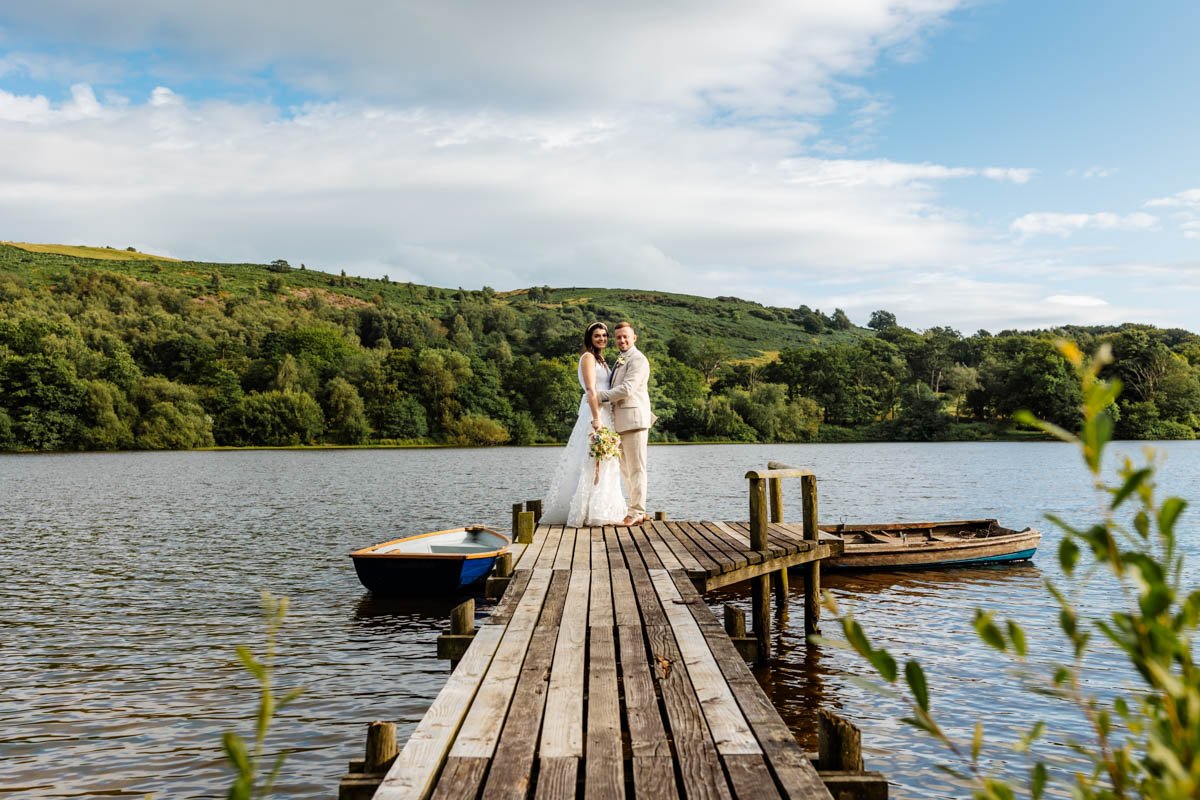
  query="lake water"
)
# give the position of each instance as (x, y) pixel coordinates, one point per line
(129, 579)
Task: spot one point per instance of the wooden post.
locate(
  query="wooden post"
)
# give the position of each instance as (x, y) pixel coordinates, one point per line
(839, 743)
(536, 507)
(735, 622)
(525, 525)
(453, 646)
(760, 587)
(775, 487)
(812, 574)
(504, 565)
(462, 618)
(517, 508)
(660, 516)
(779, 582)
(381, 747)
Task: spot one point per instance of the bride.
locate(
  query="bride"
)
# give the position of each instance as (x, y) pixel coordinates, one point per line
(582, 492)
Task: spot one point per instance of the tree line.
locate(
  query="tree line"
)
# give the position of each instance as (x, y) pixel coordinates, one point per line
(92, 359)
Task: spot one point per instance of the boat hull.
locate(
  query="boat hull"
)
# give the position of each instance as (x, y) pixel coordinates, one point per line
(388, 569)
(930, 544)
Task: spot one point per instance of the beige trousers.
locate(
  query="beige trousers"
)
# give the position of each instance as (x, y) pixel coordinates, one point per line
(633, 468)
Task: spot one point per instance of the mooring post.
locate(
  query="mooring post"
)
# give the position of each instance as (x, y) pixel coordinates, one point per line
(363, 777)
(660, 516)
(525, 525)
(381, 747)
(453, 646)
(760, 587)
(812, 574)
(536, 507)
(517, 508)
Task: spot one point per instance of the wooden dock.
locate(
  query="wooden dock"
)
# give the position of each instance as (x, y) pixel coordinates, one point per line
(602, 673)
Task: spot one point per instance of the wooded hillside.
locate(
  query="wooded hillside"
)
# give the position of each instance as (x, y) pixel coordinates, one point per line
(134, 351)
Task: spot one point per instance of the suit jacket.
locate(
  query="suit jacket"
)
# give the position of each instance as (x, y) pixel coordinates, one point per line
(630, 395)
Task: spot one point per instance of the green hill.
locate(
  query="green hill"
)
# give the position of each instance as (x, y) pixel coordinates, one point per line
(110, 349)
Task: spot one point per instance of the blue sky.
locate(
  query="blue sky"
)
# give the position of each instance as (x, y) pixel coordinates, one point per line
(981, 165)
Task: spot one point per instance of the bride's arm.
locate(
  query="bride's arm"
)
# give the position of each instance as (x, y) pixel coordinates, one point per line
(588, 368)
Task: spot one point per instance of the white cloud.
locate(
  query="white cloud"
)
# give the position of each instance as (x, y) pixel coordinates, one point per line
(1186, 199)
(1049, 223)
(1076, 300)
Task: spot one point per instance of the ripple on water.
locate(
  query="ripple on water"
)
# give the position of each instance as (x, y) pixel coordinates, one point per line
(131, 578)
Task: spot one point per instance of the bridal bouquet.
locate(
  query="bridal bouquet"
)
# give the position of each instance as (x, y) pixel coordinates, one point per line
(603, 445)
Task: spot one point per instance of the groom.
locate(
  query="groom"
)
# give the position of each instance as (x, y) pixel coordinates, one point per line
(632, 417)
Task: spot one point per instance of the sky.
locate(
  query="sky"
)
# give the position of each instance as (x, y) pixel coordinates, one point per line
(981, 165)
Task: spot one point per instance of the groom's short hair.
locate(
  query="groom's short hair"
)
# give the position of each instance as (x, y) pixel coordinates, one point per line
(622, 324)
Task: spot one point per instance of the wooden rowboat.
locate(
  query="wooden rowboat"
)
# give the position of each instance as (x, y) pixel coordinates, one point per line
(913, 545)
(442, 562)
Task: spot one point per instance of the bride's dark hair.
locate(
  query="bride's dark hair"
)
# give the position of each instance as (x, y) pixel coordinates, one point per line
(588, 347)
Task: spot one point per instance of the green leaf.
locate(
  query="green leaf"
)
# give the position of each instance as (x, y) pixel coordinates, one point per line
(1017, 636)
(856, 637)
(1170, 510)
(883, 661)
(1068, 555)
(236, 753)
(1037, 781)
(915, 677)
(1030, 736)
(1130, 486)
(251, 663)
(988, 631)
(977, 741)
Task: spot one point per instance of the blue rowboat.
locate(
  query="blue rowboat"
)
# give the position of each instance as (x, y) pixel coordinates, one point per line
(442, 562)
(916, 545)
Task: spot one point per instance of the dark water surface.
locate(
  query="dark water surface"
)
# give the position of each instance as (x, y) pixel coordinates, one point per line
(128, 579)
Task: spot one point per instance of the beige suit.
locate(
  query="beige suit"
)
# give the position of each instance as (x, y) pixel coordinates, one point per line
(630, 398)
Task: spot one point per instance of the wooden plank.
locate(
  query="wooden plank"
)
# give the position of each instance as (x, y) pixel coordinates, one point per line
(504, 609)
(755, 570)
(413, 771)
(566, 549)
(729, 728)
(512, 769)
(604, 775)
(461, 778)
(643, 589)
(481, 729)
(600, 609)
(699, 764)
(697, 550)
(654, 778)
(583, 549)
(530, 556)
(646, 548)
(562, 728)
(625, 609)
(647, 734)
(791, 766)
(731, 550)
(750, 777)
(550, 543)
(665, 554)
(685, 556)
(557, 778)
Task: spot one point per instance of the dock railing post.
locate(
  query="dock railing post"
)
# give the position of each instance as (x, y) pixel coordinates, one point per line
(761, 586)
(812, 574)
(779, 580)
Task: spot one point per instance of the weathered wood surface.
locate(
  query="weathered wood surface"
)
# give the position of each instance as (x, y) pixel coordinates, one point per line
(602, 673)
(712, 553)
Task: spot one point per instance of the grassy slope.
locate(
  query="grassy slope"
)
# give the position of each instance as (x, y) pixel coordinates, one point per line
(661, 315)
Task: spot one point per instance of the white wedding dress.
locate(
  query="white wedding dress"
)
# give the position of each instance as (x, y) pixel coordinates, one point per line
(576, 498)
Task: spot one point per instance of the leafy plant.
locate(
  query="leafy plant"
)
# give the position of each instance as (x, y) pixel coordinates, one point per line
(1143, 741)
(247, 761)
